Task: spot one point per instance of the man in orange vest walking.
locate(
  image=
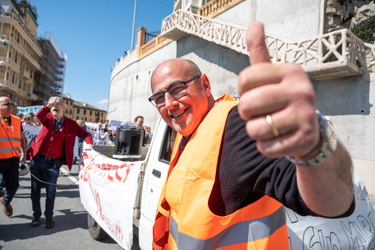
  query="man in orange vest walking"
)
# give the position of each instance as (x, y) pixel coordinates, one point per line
(12, 151)
(238, 163)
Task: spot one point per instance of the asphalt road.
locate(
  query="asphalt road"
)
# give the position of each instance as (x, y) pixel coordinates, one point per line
(70, 231)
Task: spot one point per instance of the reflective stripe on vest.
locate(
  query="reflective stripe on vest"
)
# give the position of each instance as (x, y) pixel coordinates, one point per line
(2, 150)
(250, 230)
(11, 139)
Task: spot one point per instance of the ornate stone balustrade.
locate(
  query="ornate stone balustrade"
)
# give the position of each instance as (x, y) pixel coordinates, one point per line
(336, 54)
(370, 54)
(182, 23)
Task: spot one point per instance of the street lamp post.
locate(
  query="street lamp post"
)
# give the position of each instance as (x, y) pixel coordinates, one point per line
(133, 28)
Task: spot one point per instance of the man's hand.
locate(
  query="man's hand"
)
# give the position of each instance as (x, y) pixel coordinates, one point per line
(282, 91)
(23, 158)
(53, 103)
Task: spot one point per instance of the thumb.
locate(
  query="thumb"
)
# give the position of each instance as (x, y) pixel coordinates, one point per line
(256, 44)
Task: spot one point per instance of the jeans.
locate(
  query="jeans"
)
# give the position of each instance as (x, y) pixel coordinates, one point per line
(80, 146)
(46, 172)
(9, 169)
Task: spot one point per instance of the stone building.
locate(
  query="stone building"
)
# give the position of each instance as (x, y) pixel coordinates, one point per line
(309, 33)
(83, 111)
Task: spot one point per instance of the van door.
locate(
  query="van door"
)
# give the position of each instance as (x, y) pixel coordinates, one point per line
(155, 175)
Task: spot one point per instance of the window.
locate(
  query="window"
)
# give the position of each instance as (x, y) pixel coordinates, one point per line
(77, 111)
(84, 111)
(169, 138)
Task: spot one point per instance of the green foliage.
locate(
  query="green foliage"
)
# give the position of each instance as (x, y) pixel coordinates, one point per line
(365, 33)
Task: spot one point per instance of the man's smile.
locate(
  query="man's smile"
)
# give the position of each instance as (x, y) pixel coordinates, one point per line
(178, 114)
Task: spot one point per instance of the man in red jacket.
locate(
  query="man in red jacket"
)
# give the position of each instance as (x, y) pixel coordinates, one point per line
(51, 148)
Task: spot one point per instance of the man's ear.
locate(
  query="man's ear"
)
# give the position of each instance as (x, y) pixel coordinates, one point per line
(206, 84)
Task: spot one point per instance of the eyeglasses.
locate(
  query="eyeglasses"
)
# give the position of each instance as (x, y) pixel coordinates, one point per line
(8, 104)
(176, 90)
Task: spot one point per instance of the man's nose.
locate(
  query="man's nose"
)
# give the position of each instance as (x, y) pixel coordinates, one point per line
(170, 102)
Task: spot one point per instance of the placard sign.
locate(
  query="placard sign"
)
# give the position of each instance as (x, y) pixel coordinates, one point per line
(353, 232)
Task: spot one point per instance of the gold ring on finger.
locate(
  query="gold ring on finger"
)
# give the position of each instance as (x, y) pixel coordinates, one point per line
(275, 131)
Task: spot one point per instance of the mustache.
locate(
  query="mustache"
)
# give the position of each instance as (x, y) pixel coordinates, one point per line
(55, 109)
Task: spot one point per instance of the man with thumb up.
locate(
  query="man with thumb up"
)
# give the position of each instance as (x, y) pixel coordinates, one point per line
(238, 163)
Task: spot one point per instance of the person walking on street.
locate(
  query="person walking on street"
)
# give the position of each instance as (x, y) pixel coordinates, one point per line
(51, 148)
(238, 163)
(12, 152)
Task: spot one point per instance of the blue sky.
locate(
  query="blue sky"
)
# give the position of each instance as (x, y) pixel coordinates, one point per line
(94, 34)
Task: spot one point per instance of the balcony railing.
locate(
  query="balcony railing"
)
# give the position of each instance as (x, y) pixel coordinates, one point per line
(24, 74)
(370, 55)
(336, 54)
(7, 84)
(215, 7)
(5, 61)
(182, 23)
(153, 45)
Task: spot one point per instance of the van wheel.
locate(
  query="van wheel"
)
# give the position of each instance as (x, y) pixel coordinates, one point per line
(96, 232)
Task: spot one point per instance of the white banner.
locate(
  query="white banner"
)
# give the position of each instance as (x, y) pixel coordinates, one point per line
(30, 133)
(29, 109)
(108, 189)
(353, 232)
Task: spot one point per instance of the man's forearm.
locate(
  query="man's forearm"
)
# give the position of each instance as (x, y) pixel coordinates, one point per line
(23, 147)
(327, 188)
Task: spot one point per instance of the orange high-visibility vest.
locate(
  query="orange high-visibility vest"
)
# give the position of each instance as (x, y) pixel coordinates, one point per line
(10, 138)
(184, 219)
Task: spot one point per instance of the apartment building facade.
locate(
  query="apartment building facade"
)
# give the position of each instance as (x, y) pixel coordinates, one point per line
(31, 69)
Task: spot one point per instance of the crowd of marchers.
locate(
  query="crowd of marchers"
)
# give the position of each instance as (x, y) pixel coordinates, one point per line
(49, 149)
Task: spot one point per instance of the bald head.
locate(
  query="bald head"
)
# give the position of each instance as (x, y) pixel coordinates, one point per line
(174, 67)
(5, 106)
(184, 93)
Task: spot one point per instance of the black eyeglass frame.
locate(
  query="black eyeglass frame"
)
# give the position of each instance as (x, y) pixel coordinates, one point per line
(151, 98)
(8, 104)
